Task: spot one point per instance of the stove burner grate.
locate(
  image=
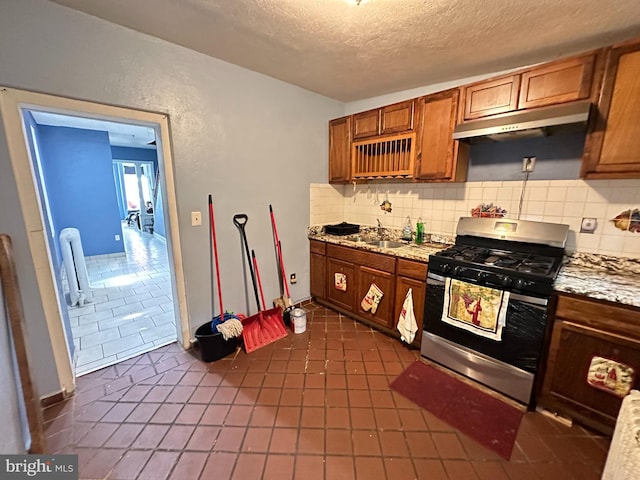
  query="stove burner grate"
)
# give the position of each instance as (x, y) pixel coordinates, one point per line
(511, 262)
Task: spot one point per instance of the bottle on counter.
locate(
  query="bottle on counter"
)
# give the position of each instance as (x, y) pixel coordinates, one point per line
(406, 231)
(419, 231)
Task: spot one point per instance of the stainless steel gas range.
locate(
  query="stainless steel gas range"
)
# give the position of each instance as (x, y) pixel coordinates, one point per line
(487, 301)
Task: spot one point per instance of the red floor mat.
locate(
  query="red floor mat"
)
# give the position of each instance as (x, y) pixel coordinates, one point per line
(484, 418)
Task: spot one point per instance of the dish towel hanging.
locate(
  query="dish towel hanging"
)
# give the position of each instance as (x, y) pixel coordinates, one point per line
(407, 325)
(372, 299)
(477, 309)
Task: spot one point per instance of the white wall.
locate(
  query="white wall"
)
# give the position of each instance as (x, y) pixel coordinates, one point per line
(440, 206)
(248, 139)
(14, 424)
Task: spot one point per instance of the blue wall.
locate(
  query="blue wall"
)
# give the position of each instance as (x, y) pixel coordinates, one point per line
(54, 244)
(79, 176)
(131, 153)
(558, 157)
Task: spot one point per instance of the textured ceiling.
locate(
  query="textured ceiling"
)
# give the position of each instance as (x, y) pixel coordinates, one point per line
(350, 52)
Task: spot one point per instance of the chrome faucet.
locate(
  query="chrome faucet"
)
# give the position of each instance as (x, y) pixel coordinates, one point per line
(380, 229)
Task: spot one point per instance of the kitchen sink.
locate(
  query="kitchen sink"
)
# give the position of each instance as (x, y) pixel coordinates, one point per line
(386, 244)
(360, 238)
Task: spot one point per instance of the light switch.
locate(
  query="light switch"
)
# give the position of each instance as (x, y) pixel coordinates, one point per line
(196, 219)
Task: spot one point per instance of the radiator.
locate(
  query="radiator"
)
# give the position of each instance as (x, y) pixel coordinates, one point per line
(75, 267)
(623, 459)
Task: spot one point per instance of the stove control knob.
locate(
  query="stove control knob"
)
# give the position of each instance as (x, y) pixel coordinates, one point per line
(457, 270)
(481, 276)
(520, 283)
(445, 267)
(506, 281)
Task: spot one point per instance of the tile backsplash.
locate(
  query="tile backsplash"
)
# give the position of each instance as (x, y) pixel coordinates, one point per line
(440, 206)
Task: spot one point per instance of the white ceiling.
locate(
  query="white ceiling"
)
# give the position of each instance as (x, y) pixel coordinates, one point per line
(120, 134)
(350, 52)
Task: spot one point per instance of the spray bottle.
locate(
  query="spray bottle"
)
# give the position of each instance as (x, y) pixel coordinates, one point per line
(406, 231)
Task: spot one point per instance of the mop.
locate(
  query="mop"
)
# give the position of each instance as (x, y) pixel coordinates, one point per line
(230, 328)
(227, 323)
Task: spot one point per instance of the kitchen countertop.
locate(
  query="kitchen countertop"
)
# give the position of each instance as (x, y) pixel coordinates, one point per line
(411, 251)
(601, 277)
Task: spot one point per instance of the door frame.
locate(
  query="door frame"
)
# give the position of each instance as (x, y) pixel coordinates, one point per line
(12, 102)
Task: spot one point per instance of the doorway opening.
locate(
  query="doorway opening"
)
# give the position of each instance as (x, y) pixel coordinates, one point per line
(138, 298)
(127, 308)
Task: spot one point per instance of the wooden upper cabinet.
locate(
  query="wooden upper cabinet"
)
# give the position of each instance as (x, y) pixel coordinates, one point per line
(438, 156)
(549, 84)
(611, 150)
(366, 124)
(340, 150)
(559, 82)
(396, 118)
(491, 97)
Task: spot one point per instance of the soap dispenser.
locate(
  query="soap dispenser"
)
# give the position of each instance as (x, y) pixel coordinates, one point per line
(406, 231)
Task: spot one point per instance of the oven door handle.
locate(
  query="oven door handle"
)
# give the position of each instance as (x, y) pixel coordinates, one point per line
(433, 279)
(533, 301)
(438, 278)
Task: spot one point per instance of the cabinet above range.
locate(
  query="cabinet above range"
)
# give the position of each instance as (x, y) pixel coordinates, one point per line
(550, 84)
(426, 139)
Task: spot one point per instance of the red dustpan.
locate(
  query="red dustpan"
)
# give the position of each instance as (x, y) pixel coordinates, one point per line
(266, 326)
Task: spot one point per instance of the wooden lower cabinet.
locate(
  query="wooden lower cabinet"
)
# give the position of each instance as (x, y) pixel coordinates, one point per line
(411, 275)
(318, 269)
(583, 329)
(342, 298)
(385, 282)
(318, 276)
(393, 276)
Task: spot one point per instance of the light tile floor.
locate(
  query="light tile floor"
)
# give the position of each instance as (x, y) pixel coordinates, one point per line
(132, 307)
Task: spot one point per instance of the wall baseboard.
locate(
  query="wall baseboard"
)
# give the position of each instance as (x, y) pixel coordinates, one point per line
(53, 399)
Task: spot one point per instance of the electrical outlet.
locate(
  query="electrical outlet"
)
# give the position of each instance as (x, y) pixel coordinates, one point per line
(293, 279)
(528, 164)
(196, 219)
(588, 225)
(117, 238)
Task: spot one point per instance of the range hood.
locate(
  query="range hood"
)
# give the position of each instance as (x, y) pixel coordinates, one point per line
(535, 122)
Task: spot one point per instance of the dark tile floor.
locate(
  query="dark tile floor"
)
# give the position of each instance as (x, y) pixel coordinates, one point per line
(311, 406)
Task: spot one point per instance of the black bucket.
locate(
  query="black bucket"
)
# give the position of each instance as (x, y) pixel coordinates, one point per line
(212, 345)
